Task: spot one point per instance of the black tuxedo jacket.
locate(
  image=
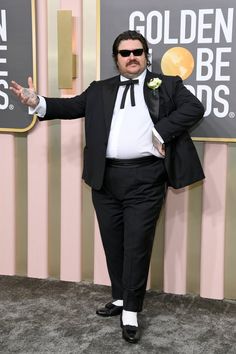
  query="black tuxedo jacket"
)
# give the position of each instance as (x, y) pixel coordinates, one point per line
(173, 109)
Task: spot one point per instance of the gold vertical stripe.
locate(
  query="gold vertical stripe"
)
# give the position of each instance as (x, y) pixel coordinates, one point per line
(87, 242)
(230, 221)
(157, 261)
(21, 203)
(90, 37)
(54, 149)
(21, 180)
(194, 231)
(64, 27)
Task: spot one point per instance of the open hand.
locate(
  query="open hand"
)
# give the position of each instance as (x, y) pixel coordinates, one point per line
(158, 145)
(26, 95)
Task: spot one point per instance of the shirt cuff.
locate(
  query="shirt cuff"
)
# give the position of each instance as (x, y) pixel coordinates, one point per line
(157, 135)
(40, 109)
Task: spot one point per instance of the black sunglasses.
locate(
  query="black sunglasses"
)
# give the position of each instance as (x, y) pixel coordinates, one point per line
(127, 52)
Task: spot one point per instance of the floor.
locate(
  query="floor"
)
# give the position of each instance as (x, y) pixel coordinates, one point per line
(51, 316)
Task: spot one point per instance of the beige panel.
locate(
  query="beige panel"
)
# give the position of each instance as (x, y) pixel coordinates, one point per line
(21, 177)
(157, 261)
(194, 232)
(54, 149)
(64, 27)
(21, 203)
(89, 74)
(230, 221)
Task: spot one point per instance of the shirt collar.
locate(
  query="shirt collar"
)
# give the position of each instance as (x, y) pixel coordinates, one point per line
(141, 77)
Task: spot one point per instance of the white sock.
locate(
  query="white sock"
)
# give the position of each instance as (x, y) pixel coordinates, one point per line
(129, 318)
(118, 302)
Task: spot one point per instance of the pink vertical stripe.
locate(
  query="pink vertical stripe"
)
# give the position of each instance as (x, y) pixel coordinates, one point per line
(100, 267)
(38, 166)
(71, 200)
(213, 221)
(175, 242)
(71, 169)
(7, 205)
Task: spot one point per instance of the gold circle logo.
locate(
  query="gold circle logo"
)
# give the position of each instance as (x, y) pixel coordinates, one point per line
(177, 61)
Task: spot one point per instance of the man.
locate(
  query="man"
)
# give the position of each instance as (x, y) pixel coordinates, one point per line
(137, 143)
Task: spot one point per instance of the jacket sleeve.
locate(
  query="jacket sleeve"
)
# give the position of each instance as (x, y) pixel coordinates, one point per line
(186, 110)
(66, 108)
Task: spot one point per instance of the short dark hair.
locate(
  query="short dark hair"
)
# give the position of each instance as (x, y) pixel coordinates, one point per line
(130, 35)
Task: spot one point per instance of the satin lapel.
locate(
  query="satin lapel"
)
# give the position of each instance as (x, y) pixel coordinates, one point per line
(109, 98)
(152, 98)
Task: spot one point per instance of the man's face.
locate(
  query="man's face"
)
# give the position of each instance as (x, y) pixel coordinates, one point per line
(131, 66)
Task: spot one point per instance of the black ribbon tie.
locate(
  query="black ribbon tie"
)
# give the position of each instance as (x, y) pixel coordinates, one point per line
(129, 84)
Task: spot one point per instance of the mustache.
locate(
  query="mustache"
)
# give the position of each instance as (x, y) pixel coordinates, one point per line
(133, 61)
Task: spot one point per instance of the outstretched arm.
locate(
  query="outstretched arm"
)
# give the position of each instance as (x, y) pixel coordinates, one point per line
(28, 95)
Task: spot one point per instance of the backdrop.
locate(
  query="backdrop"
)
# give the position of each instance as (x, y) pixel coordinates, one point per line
(17, 60)
(193, 39)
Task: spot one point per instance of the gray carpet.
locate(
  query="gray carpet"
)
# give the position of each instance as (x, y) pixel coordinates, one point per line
(49, 316)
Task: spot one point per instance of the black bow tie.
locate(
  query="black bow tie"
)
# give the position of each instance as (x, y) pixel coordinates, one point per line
(128, 84)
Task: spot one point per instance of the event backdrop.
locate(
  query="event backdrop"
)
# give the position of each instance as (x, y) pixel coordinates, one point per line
(193, 39)
(17, 60)
(47, 223)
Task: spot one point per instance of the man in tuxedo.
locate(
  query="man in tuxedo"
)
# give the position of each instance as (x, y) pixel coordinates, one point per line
(137, 144)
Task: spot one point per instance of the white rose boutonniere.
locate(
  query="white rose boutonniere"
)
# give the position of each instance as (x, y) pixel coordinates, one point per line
(154, 83)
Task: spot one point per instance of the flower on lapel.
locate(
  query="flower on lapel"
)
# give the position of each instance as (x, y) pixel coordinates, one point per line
(154, 83)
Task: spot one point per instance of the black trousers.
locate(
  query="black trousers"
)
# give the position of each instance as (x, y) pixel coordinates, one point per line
(127, 208)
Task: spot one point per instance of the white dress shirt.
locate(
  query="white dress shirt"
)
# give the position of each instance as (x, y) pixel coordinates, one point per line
(132, 127)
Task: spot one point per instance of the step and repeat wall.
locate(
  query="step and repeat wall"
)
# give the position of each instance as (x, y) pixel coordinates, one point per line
(18, 61)
(47, 224)
(193, 40)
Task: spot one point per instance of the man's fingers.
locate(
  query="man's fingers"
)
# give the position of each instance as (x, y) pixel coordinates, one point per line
(30, 83)
(27, 96)
(15, 86)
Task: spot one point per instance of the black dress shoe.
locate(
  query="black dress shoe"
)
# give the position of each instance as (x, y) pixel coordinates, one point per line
(131, 334)
(109, 310)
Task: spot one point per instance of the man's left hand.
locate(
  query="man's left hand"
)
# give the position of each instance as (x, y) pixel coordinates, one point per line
(158, 145)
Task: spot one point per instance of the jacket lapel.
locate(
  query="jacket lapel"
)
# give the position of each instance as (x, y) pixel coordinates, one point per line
(109, 98)
(110, 90)
(152, 98)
